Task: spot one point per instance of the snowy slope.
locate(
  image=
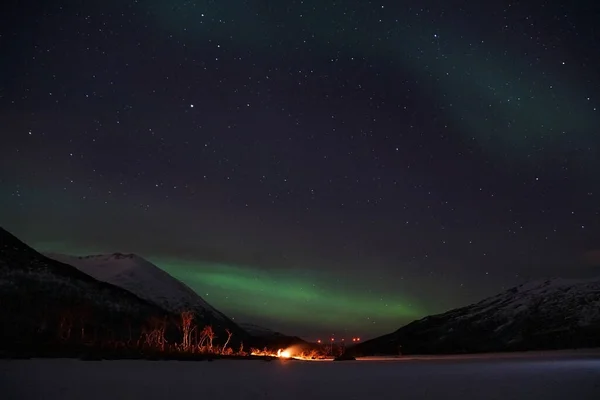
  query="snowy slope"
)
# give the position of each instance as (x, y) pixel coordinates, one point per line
(576, 300)
(545, 314)
(22, 269)
(36, 290)
(142, 278)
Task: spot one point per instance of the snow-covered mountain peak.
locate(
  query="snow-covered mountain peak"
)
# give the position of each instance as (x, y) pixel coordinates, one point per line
(546, 294)
(141, 277)
(114, 256)
(554, 284)
(105, 267)
(542, 314)
(109, 257)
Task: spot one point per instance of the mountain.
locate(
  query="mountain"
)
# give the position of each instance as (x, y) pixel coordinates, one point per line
(265, 337)
(259, 331)
(547, 314)
(142, 278)
(149, 282)
(42, 299)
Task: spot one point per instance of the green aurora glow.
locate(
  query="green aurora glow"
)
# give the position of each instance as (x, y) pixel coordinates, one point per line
(287, 298)
(497, 100)
(289, 295)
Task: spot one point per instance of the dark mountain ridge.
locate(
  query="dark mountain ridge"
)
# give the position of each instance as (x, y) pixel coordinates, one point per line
(45, 301)
(540, 315)
(149, 282)
(53, 308)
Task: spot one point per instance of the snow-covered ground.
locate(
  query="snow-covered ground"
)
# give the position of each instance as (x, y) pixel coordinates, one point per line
(563, 376)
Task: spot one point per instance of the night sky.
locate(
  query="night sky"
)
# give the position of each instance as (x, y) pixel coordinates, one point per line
(313, 166)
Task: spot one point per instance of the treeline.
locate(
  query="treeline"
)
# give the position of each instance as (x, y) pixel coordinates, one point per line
(59, 329)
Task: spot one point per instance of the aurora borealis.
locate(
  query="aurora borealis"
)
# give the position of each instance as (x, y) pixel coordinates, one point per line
(294, 296)
(315, 167)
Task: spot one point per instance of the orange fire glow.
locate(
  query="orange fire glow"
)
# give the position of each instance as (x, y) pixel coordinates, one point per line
(290, 353)
(284, 354)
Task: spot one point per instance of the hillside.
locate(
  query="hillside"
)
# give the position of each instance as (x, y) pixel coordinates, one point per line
(259, 331)
(548, 314)
(149, 282)
(265, 337)
(46, 301)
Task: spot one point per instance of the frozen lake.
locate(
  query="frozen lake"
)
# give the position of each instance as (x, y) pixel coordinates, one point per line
(541, 376)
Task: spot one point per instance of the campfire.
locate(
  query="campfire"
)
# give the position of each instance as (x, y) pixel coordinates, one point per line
(281, 353)
(284, 353)
(289, 353)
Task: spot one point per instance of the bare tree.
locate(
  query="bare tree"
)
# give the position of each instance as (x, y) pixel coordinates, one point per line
(84, 314)
(160, 326)
(203, 338)
(211, 337)
(65, 325)
(186, 329)
(229, 334)
(153, 334)
(207, 336)
(129, 331)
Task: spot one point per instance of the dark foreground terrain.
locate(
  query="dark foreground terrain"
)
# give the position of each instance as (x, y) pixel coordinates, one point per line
(547, 376)
(51, 309)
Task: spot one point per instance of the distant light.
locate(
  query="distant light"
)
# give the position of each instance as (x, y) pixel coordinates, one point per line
(318, 340)
(191, 106)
